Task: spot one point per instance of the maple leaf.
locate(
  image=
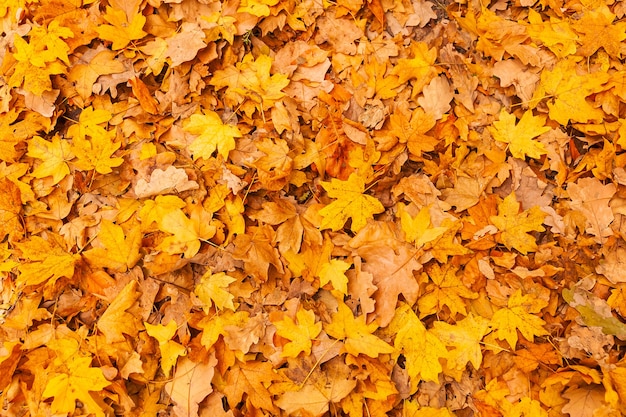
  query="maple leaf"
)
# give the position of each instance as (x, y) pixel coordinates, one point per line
(250, 79)
(212, 134)
(515, 225)
(54, 155)
(421, 348)
(251, 379)
(300, 335)
(518, 315)
(465, 336)
(418, 229)
(255, 248)
(567, 92)
(120, 31)
(191, 384)
(350, 203)
(556, 34)
(170, 350)
(115, 248)
(334, 272)
(187, 232)
(599, 30)
(411, 127)
(74, 381)
(213, 289)
(116, 320)
(420, 67)
(10, 210)
(357, 335)
(446, 289)
(45, 260)
(520, 136)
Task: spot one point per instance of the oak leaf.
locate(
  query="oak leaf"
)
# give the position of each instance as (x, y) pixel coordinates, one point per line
(350, 203)
(85, 73)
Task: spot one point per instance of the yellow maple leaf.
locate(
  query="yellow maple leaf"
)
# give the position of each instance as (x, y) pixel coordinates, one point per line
(256, 7)
(54, 155)
(566, 92)
(356, 334)
(300, 334)
(10, 210)
(74, 380)
(418, 229)
(350, 203)
(334, 272)
(446, 289)
(421, 348)
(212, 134)
(515, 225)
(213, 289)
(153, 211)
(115, 248)
(419, 68)
(517, 315)
(600, 30)
(116, 320)
(520, 136)
(170, 350)
(556, 34)
(187, 232)
(45, 260)
(120, 31)
(250, 80)
(465, 337)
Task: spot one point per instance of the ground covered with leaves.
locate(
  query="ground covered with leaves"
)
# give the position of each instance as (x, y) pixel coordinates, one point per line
(359, 208)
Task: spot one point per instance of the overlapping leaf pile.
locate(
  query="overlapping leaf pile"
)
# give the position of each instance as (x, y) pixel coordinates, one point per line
(227, 208)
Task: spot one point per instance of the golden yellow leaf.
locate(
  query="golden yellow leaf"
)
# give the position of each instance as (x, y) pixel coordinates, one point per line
(212, 134)
(115, 248)
(170, 350)
(116, 320)
(213, 289)
(301, 335)
(121, 31)
(515, 225)
(520, 136)
(351, 203)
(518, 315)
(356, 334)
